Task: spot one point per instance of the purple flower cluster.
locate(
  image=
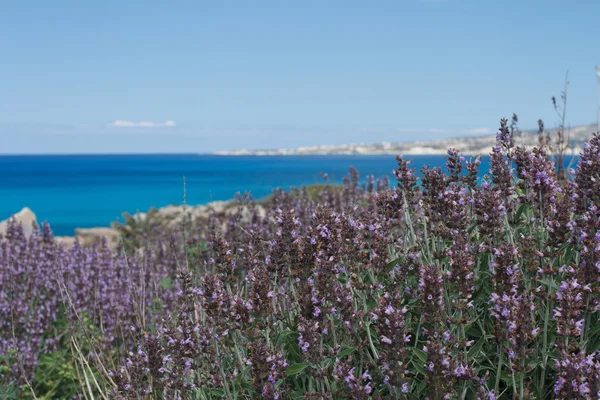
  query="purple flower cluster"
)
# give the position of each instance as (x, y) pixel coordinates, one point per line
(570, 306)
(394, 338)
(443, 286)
(578, 376)
(357, 386)
(587, 176)
(512, 310)
(37, 277)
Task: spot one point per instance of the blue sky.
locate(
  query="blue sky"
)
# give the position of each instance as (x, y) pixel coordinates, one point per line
(193, 76)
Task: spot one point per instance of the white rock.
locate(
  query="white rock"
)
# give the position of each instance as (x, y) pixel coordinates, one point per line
(169, 211)
(26, 217)
(87, 236)
(65, 241)
(218, 206)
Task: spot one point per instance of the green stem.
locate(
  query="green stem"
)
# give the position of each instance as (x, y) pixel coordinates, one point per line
(542, 389)
(463, 394)
(521, 379)
(373, 349)
(498, 371)
(587, 316)
(514, 382)
(418, 333)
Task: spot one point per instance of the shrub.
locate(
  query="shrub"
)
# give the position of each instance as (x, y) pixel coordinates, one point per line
(444, 286)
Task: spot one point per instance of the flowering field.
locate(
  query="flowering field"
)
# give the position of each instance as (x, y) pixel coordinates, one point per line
(442, 287)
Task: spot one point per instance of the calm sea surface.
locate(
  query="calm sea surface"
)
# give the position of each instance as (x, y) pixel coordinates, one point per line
(87, 191)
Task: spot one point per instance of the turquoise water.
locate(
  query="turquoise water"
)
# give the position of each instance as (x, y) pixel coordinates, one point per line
(87, 191)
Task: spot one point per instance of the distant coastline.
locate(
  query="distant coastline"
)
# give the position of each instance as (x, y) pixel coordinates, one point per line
(469, 145)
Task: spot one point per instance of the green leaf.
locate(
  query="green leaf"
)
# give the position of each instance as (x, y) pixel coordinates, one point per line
(156, 305)
(166, 283)
(594, 346)
(420, 354)
(549, 284)
(8, 392)
(420, 368)
(485, 261)
(296, 369)
(371, 304)
(297, 395)
(390, 266)
(521, 210)
(292, 349)
(553, 355)
(506, 377)
(367, 278)
(472, 227)
(420, 389)
(570, 254)
(346, 352)
(247, 387)
(594, 331)
(217, 392)
(475, 349)
(532, 365)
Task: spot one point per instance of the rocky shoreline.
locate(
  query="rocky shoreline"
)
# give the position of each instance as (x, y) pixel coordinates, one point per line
(172, 215)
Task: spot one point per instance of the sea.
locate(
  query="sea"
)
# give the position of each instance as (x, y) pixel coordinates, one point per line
(79, 191)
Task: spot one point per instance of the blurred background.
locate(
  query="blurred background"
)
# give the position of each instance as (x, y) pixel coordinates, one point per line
(192, 78)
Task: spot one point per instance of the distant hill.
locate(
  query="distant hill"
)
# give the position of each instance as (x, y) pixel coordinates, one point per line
(469, 145)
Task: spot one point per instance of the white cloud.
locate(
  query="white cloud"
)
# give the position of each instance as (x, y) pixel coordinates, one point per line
(143, 124)
(479, 131)
(473, 131)
(469, 131)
